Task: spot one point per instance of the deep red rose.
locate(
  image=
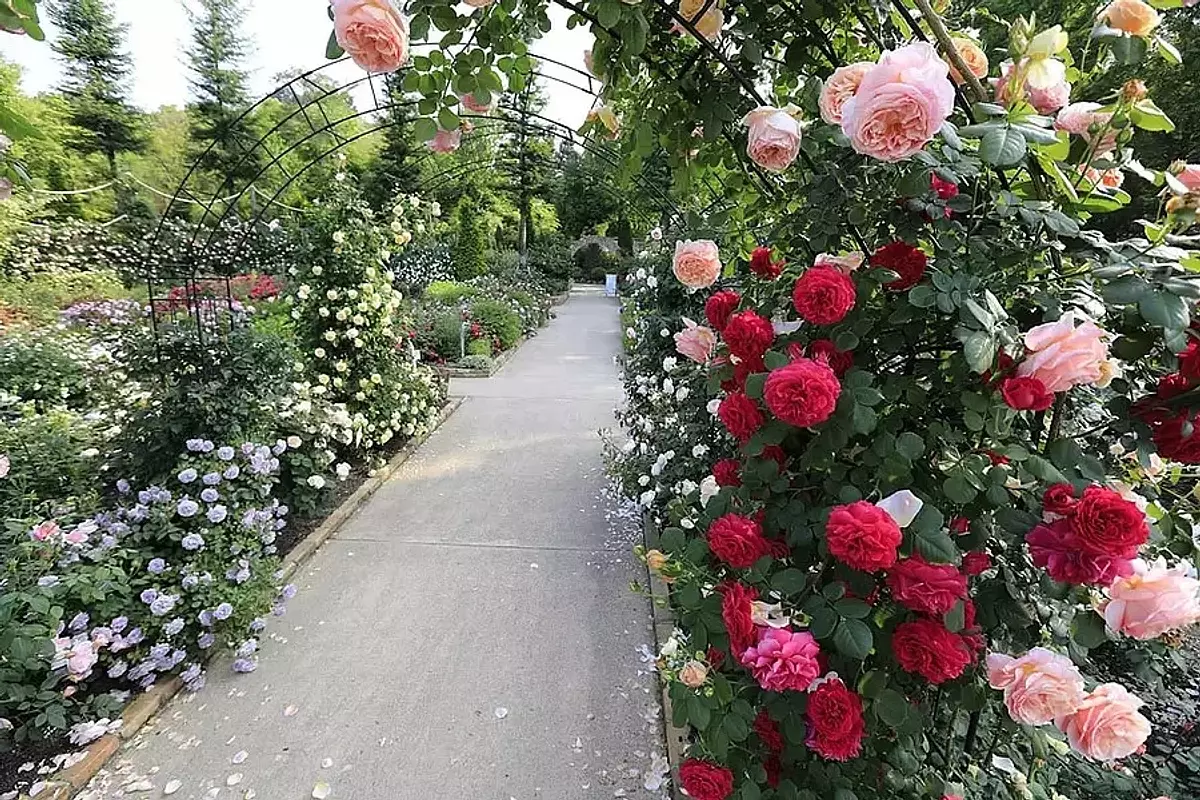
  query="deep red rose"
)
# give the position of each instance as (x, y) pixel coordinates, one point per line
(774, 769)
(929, 588)
(737, 540)
(740, 415)
(762, 265)
(824, 295)
(803, 393)
(944, 189)
(714, 657)
(1060, 499)
(728, 472)
(1004, 365)
(768, 732)
(1055, 547)
(705, 780)
(960, 525)
(976, 562)
(1106, 524)
(924, 647)
(1189, 360)
(997, 459)
(835, 721)
(840, 361)
(1026, 394)
(863, 536)
(736, 598)
(775, 453)
(1172, 385)
(905, 260)
(1173, 443)
(719, 307)
(748, 335)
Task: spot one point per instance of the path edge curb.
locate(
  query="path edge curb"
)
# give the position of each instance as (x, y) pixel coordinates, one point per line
(66, 783)
(664, 625)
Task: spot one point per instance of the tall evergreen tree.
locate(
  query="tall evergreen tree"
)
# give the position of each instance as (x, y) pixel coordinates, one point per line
(219, 92)
(395, 170)
(95, 68)
(526, 155)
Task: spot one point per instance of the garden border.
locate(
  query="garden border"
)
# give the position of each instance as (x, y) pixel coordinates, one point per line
(451, 371)
(664, 625)
(66, 783)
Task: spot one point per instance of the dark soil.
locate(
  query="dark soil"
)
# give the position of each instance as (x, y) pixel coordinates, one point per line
(36, 753)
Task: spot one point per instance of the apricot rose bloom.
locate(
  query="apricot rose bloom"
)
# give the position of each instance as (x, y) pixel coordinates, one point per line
(1038, 687)
(1107, 725)
(708, 25)
(840, 87)
(373, 32)
(697, 263)
(972, 55)
(773, 139)
(1131, 16)
(695, 342)
(900, 104)
(1153, 600)
(1062, 354)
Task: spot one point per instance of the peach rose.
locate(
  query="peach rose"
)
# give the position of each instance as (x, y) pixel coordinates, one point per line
(1062, 354)
(373, 32)
(773, 139)
(1153, 600)
(1131, 16)
(708, 25)
(469, 102)
(446, 141)
(1107, 725)
(693, 674)
(695, 341)
(1046, 101)
(1189, 176)
(1038, 687)
(972, 55)
(479, 3)
(697, 264)
(900, 104)
(607, 118)
(846, 263)
(840, 87)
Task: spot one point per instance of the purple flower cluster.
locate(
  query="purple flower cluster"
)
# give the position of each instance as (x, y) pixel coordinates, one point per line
(97, 314)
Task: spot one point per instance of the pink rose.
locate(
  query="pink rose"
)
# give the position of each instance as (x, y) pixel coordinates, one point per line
(1086, 119)
(1039, 687)
(77, 655)
(479, 3)
(697, 263)
(446, 141)
(373, 32)
(1046, 101)
(900, 104)
(695, 341)
(840, 87)
(1153, 600)
(44, 531)
(1107, 725)
(783, 659)
(774, 138)
(1062, 354)
(1190, 177)
(846, 263)
(469, 102)
(5, 465)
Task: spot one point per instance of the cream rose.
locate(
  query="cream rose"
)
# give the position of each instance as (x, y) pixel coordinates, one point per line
(1107, 725)
(972, 55)
(373, 32)
(773, 141)
(1039, 687)
(693, 674)
(1153, 600)
(846, 263)
(840, 87)
(697, 263)
(1131, 16)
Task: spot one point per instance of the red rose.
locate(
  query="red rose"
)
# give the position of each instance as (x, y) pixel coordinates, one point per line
(840, 361)
(737, 540)
(736, 613)
(1171, 386)
(728, 472)
(775, 453)
(705, 780)
(835, 721)
(928, 588)
(774, 769)
(1171, 441)
(1107, 524)
(824, 295)
(1055, 548)
(1189, 360)
(1004, 365)
(768, 731)
(740, 415)
(803, 393)
(960, 525)
(863, 536)
(719, 307)
(1026, 394)
(762, 265)
(924, 647)
(903, 259)
(944, 189)
(976, 562)
(1060, 499)
(748, 335)
(714, 657)
(997, 459)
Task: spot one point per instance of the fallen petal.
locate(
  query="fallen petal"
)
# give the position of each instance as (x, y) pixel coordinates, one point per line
(240, 756)
(501, 713)
(172, 787)
(234, 779)
(321, 790)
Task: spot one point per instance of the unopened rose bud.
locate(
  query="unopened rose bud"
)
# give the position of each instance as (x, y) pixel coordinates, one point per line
(693, 674)
(1133, 90)
(656, 560)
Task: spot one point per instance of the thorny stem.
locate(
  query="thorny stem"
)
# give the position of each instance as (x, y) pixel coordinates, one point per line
(949, 50)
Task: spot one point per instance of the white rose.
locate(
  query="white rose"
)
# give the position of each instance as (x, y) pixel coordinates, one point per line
(316, 481)
(294, 442)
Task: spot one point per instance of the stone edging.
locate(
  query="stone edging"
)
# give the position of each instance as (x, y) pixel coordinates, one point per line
(499, 361)
(66, 783)
(664, 625)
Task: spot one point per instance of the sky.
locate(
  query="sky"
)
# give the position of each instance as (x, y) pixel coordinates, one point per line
(284, 34)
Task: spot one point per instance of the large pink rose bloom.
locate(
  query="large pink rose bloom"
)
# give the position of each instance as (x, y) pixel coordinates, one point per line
(1039, 687)
(773, 139)
(695, 341)
(840, 87)
(900, 104)
(446, 141)
(697, 264)
(1153, 600)
(373, 32)
(1062, 354)
(1107, 725)
(1046, 101)
(1080, 118)
(783, 659)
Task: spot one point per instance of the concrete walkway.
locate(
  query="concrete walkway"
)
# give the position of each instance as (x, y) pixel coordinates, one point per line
(468, 635)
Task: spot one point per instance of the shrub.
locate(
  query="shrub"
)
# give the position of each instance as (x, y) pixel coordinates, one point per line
(482, 362)
(504, 263)
(52, 369)
(593, 263)
(498, 320)
(420, 264)
(447, 335)
(479, 347)
(470, 245)
(449, 292)
(42, 296)
(55, 458)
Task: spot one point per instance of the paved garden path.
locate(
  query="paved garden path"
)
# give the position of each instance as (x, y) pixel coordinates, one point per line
(468, 635)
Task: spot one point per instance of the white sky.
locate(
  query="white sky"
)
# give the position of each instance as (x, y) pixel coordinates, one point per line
(284, 34)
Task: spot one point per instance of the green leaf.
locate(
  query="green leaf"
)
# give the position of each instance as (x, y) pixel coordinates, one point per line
(16, 126)
(892, 708)
(1061, 224)
(1087, 630)
(824, 620)
(448, 120)
(959, 490)
(923, 296)
(699, 714)
(853, 638)
(790, 581)
(1164, 310)
(1129, 50)
(915, 182)
(852, 608)
(1003, 147)
(955, 619)
(980, 351)
(1043, 470)
(1149, 117)
(1168, 51)
(424, 129)
(333, 50)
(864, 419)
(910, 445)
(937, 547)
(755, 384)
(775, 359)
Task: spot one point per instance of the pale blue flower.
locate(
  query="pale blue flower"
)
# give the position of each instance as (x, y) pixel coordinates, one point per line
(211, 478)
(248, 648)
(205, 641)
(209, 495)
(195, 445)
(244, 665)
(223, 611)
(79, 621)
(193, 541)
(162, 605)
(187, 476)
(156, 566)
(148, 596)
(231, 472)
(217, 514)
(173, 627)
(119, 624)
(225, 453)
(187, 507)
